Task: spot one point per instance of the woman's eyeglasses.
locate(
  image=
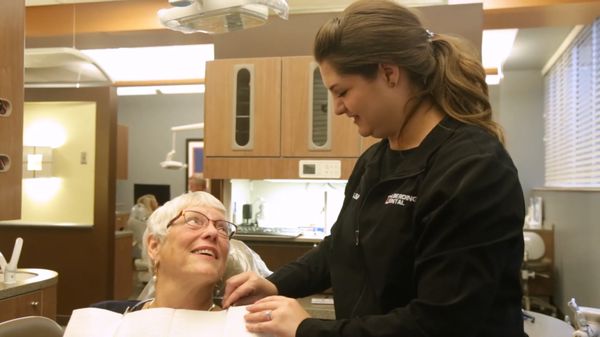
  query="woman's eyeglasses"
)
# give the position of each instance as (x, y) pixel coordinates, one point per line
(197, 220)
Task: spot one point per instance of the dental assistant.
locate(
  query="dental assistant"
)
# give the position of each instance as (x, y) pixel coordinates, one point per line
(429, 238)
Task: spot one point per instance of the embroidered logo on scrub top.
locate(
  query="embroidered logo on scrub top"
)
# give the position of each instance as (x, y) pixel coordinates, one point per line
(355, 196)
(400, 199)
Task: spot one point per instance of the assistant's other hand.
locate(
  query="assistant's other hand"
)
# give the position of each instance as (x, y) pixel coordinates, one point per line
(276, 315)
(247, 288)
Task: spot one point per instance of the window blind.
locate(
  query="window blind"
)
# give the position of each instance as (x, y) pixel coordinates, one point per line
(572, 114)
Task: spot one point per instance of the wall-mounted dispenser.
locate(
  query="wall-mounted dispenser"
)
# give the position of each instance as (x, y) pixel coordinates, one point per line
(37, 161)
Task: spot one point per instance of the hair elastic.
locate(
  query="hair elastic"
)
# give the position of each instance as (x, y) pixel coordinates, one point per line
(430, 34)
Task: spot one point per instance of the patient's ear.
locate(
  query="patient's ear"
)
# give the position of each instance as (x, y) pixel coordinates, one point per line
(153, 244)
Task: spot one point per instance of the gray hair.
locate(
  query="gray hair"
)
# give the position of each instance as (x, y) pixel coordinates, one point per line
(156, 224)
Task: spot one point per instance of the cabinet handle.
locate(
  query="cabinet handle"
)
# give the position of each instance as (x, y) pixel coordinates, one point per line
(4, 163)
(34, 304)
(5, 107)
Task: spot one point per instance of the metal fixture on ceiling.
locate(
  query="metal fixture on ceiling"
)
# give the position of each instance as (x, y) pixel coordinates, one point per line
(219, 16)
(62, 67)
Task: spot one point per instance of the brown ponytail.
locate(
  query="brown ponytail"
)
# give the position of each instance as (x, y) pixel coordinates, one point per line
(458, 86)
(373, 32)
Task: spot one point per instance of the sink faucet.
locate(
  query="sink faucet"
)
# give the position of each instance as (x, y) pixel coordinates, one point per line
(10, 268)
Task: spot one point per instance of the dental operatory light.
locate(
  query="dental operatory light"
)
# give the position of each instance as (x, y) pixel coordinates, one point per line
(169, 163)
(219, 16)
(154, 64)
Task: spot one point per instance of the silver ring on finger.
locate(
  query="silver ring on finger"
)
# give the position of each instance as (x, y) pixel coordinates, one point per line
(268, 315)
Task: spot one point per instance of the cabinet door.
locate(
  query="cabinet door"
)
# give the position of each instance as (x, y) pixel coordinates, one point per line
(23, 305)
(12, 18)
(242, 105)
(277, 254)
(309, 126)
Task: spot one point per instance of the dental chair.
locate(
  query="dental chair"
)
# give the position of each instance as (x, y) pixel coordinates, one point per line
(30, 326)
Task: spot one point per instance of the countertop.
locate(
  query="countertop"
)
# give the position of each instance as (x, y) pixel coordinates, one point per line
(307, 237)
(43, 278)
(123, 233)
(319, 306)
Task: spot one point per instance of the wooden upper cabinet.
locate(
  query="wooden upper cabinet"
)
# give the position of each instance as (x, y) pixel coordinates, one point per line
(12, 44)
(243, 108)
(264, 115)
(309, 126)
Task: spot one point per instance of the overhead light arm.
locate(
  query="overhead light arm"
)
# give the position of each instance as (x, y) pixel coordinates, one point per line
(197, 126)
(169, 163)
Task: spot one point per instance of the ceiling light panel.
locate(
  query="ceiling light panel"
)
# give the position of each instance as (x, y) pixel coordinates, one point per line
(496, 46)
(154, 63)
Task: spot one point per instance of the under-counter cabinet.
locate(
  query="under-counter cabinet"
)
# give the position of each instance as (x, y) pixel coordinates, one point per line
(36, 303)
(35, 295)
(276, 254)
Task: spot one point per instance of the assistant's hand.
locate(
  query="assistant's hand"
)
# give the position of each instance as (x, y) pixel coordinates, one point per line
(276, 315)
(246, 288)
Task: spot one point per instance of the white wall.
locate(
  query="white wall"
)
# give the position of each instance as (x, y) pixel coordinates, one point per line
(149, 119)
(67, 197)
(520, 112)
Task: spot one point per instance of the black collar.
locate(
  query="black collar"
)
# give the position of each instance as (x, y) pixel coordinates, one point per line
(418, 161)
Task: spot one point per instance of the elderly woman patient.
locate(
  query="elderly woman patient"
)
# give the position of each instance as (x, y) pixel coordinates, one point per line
(187, 242)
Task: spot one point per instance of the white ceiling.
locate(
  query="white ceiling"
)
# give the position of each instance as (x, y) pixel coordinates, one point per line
(534, 46)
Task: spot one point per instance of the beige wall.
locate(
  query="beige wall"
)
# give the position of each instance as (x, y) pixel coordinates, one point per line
(69, 195)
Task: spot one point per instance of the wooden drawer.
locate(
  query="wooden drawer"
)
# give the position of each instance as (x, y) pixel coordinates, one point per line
(23, 305)
(36, 303)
